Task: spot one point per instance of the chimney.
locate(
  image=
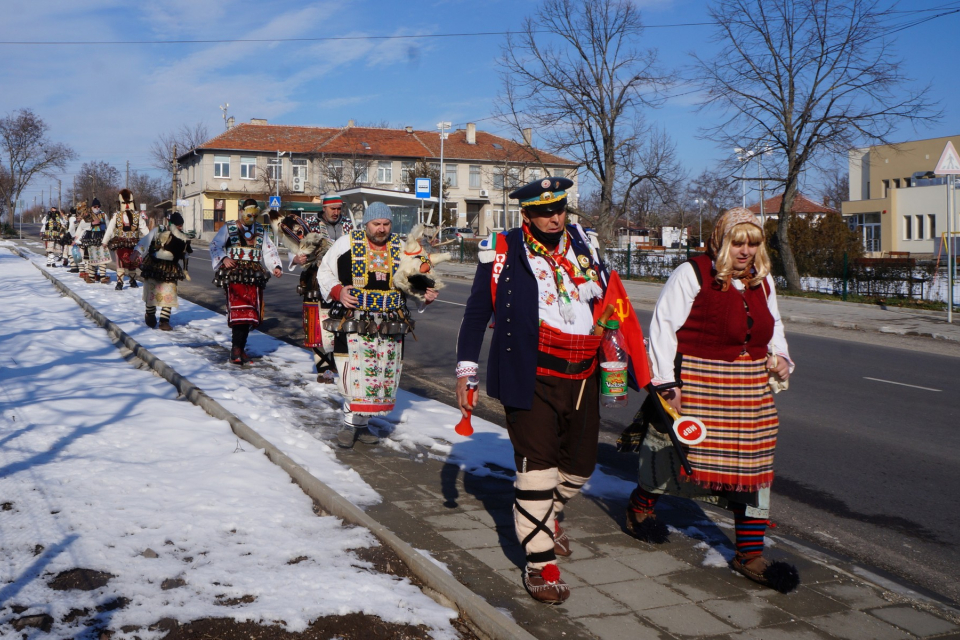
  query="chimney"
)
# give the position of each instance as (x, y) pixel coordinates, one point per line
(230, 122)
(471, 133)
(528, 137)
(350, 123)
(408, 129)
(258, 121)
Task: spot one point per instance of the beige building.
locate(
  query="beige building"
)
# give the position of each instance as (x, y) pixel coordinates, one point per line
(248, 160)
(896, 202)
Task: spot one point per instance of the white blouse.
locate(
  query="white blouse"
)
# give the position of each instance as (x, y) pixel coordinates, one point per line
(673, 309)
(270, 257)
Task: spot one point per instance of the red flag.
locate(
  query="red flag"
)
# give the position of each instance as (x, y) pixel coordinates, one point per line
(629, 328)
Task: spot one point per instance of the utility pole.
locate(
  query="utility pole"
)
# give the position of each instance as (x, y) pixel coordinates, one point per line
(59, 195)
(74, 205)
(443, 126)
(173, 181)
(126, 183)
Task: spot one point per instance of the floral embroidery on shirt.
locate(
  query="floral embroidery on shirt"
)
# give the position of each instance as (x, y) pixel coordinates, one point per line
(549, 298)
(542, 275)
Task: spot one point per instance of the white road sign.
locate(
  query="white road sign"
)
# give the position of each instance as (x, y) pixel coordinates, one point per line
(949, 161)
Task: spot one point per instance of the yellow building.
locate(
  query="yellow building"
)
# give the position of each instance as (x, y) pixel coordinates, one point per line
(896, 202)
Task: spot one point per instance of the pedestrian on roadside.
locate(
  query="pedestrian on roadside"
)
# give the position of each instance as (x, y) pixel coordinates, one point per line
(163, 249)
(71, 241)
(89, 233)
(541, 282)
(124, 231)
(717, 345)
(243, 258)
(51, 231)
(369, 318)
(330, 226)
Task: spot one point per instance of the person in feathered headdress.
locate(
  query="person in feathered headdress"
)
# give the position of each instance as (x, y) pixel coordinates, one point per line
(125, 229)
(243, 259)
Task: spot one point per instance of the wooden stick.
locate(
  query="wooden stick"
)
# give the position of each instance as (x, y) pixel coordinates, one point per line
(583, 383)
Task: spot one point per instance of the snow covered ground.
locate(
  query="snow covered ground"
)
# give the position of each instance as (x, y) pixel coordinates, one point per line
(103, 468)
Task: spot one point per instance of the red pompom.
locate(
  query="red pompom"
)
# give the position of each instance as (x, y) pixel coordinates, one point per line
(550, 573)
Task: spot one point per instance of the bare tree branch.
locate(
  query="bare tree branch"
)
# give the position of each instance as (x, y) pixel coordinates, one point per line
(806, 78)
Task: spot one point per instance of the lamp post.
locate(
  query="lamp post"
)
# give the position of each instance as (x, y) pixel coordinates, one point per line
(699, 202)
(744, 156)
(442, 126)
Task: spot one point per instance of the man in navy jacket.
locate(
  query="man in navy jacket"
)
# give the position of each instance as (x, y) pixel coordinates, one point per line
(541, 283)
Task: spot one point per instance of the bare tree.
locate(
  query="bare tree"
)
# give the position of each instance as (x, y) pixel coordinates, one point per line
(96, 179)
(836, 188)
(805, 78)
(575, 74)
(185, 138)
(27, 152)
(147, 189)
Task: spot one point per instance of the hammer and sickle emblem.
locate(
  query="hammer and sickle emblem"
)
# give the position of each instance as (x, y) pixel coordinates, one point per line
(620, 310)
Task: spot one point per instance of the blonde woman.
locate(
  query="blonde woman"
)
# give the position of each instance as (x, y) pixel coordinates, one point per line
(715, 339)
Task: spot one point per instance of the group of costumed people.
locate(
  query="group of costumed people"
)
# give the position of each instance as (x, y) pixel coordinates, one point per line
(716, 346)
(92, 239)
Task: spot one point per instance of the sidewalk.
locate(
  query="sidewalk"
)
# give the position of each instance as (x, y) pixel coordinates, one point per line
(827, 313)
(451, 497)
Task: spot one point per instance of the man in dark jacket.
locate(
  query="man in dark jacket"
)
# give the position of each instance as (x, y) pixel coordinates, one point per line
(541, 282)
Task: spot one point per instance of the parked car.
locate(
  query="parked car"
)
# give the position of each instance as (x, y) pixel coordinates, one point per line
(457, 232)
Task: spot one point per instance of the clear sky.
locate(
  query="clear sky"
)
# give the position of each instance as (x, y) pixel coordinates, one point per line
(110, 101)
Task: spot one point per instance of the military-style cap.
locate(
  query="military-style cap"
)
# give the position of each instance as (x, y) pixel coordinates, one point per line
(546, 195)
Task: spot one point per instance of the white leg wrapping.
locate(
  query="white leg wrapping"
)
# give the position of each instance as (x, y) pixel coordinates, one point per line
(533, 515)
(569, 486)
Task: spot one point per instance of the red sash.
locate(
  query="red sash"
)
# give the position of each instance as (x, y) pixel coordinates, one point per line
(244, 304)
(568, 347)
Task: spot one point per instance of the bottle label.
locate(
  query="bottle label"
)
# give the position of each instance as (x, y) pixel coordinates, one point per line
(613, 379)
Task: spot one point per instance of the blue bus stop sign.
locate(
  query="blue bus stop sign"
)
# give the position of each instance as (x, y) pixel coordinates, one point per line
(423, 188)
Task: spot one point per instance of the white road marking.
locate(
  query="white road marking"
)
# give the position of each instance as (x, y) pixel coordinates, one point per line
(459, 304)
(902, 384)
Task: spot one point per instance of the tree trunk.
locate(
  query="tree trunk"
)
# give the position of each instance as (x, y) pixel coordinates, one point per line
(787, 260)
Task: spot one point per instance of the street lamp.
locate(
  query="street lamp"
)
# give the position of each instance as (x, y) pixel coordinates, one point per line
(442, 126)
(744, 156)
(699, 202)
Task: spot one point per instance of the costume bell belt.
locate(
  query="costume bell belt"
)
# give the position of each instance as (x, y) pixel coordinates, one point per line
(369, 300)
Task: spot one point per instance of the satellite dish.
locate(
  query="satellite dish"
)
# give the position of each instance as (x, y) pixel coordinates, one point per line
(223, 186)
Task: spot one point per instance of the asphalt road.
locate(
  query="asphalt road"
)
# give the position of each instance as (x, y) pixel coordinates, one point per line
(866, 464)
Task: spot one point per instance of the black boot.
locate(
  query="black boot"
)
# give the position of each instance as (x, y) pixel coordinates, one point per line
(133, 283)
(119, 286)
(150, 319)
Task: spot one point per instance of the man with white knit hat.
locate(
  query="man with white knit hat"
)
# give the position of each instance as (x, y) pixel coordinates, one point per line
(369, 318)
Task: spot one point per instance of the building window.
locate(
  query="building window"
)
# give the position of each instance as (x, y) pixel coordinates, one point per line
(919, 227)
(299, 169)
(360, 168)
(385, 172)
(248, 168)
(908, 227)
(275, 168)
(221, 166)
(407, 170)
(335, 170)
(933, 225)
(513, 218)
(534, 174)
(450, 174)
(474, 176)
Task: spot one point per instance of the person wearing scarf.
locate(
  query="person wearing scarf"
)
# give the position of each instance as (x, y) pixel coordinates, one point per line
(716, 339)
(541, 282)
(243, 258)
(124, 231)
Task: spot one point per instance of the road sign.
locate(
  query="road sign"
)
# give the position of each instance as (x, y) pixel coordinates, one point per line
(949, 163)
(423, 187)
(275, 202)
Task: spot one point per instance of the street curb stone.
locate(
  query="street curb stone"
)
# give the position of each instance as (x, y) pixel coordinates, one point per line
(484, 619)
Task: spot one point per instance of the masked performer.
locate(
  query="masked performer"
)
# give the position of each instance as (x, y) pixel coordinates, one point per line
(163, 249)
(717, 337)
(51, 232)
(126, 228)
(369, 319)
(90, 232)
(243, 258)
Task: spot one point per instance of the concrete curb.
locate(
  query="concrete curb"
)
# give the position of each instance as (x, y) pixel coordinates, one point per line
(440, 586)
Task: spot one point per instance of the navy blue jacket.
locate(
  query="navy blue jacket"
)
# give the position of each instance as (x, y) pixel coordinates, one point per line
(512, 365)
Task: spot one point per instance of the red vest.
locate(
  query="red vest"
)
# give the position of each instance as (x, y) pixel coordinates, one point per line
(724, 324)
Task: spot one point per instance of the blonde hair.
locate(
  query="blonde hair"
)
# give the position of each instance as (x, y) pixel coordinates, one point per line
(742, 233)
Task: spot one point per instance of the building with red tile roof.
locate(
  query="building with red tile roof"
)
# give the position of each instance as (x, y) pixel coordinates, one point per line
(802, 205)
(480, 169)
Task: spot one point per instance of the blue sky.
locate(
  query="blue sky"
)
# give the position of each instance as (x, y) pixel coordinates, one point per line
(109, 102)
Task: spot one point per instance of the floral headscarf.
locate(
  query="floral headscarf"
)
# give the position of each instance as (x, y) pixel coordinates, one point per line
(725, 223)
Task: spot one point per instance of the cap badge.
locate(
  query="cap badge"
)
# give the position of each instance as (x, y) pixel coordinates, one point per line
(584, 261)
(545, 183)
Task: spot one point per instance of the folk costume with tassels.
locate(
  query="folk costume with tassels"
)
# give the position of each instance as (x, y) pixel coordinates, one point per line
(51, 232)
(125, 229)
(163, 249)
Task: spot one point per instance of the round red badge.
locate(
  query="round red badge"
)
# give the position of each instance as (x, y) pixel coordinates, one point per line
(690, 431)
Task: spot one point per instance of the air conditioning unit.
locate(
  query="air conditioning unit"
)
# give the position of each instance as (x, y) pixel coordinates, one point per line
(484, 193)
(296, 184)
